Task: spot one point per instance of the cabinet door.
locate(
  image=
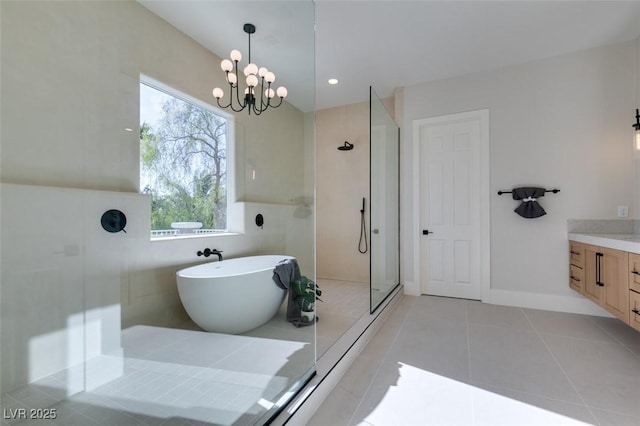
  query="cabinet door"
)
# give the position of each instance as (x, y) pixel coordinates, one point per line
(592, 263)
(634, 307)
(615, 277)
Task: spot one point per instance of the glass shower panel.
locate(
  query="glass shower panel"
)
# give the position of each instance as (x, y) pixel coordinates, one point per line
(384, 211)
(93, 329)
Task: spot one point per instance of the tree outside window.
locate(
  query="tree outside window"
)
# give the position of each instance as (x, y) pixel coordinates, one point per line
(183, 153)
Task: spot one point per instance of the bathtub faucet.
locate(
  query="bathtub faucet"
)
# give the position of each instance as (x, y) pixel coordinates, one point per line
(208, 252)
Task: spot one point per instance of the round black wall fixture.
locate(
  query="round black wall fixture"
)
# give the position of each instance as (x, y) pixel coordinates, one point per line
(259, 220)
(113, 221)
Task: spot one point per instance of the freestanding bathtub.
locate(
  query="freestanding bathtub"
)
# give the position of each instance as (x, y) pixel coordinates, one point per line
(232, 296)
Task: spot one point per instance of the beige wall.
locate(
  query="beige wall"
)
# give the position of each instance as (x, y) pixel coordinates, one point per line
(70, 83)
(563, 122)
(342, 180)
(70, 76)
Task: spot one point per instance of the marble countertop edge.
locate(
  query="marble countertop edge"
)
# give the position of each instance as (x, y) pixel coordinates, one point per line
(624, 242)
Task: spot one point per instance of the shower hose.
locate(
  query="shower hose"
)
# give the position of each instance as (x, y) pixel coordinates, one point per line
(363, 232)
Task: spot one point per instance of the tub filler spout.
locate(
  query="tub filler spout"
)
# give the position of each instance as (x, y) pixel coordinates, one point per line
(208, 252)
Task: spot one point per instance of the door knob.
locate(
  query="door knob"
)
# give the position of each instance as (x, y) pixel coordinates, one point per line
(426, 232)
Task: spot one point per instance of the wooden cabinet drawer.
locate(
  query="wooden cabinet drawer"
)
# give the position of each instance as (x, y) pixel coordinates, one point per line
(634, 272)
(576, 254)
(634, 310)
(576, 278)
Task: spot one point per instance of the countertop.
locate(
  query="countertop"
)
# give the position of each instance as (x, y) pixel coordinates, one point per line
(624, 242)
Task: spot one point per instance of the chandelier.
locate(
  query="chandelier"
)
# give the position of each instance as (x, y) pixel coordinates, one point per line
(258, 94)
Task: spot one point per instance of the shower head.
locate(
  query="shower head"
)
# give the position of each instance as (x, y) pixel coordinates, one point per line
(346, 147)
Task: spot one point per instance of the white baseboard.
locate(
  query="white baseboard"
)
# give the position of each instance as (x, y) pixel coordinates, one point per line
(546, 302)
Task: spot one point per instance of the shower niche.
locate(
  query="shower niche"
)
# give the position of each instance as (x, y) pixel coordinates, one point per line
(384, 212)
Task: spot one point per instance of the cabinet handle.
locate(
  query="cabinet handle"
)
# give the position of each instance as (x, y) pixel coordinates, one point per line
(635, 272)
(577, 253)
(635, 311)
(575, 279)
(599, 270)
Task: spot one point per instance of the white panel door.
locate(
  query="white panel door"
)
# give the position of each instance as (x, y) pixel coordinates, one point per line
(449, 206)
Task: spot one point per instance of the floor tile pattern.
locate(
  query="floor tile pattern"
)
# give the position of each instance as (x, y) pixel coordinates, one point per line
(180, 377)
(187, 376)
(441, 361)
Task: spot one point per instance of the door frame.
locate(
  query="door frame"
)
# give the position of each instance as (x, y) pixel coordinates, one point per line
(485, 220)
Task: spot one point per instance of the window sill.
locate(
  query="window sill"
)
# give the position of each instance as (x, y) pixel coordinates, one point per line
(192, 236)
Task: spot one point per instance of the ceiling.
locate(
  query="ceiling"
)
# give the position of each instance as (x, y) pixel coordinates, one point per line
(391, 44)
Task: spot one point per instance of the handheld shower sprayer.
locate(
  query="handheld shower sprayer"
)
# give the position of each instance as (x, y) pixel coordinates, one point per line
(363, 231)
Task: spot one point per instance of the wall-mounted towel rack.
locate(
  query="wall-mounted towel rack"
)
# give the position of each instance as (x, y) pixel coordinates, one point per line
(555, 191)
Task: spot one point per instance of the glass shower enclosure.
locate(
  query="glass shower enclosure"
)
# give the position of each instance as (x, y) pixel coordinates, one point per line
(384, 202)
(93, 330)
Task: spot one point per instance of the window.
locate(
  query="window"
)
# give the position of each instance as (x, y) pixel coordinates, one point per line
(183, 162)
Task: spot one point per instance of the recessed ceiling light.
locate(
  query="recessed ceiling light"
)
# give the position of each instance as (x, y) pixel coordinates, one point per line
(333, 81)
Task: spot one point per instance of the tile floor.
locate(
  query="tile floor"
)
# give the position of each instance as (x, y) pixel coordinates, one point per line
(343, 303)
(186, 376)
(177, 377)
(440, 361)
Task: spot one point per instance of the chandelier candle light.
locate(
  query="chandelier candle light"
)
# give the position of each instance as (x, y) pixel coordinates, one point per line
(256, 79)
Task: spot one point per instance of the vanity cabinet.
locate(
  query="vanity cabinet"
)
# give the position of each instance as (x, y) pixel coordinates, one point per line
(605, 274)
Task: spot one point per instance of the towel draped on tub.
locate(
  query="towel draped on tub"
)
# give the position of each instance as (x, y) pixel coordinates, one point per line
(286, 272)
